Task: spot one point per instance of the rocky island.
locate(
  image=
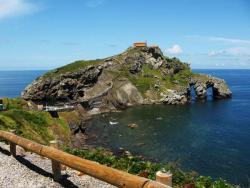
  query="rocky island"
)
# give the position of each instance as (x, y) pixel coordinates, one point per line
(140, 75)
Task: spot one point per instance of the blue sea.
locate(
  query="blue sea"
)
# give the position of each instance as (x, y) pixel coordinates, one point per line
(212, 137)
(12, 83)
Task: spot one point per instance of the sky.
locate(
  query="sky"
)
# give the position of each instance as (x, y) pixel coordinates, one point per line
(45, 34)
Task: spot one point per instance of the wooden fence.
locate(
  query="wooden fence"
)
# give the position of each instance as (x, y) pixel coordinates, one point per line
(94, 169)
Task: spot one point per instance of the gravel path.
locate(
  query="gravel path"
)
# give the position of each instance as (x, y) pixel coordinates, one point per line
(34, 171)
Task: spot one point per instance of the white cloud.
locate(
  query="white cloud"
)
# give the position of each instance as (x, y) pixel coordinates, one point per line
(10, 8)
(174, 50)
(229, 40)
(236, 51)
(220, 39)
(219, 64)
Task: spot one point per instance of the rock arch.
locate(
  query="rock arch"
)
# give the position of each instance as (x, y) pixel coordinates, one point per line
(201, 83)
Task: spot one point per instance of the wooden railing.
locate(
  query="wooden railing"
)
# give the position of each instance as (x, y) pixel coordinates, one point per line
(94, 169)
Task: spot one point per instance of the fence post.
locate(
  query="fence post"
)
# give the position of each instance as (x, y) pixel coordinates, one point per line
(12, 146)
(56, 166)
(164, 178)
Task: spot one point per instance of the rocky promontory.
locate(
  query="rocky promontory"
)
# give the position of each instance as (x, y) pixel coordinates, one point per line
(140, 75)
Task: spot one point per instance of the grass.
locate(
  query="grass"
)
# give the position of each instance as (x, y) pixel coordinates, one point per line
(139, 166)
(16, 103)
(182, 77)
(34, 125)
(72, 67)
(148, 78)
(149, 71)
(142, 83)
(202, 77)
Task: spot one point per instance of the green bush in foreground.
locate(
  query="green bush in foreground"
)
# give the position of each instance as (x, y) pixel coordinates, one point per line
(139, 166)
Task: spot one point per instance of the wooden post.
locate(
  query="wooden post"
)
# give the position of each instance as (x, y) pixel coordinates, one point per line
(164, 178)
(56, 166)
(12, 146)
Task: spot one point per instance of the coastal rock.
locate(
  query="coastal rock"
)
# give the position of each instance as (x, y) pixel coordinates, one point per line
(124, 94)
(136, 67)
(136, 60)
(173, 97)
(137, 76)
(155, 63)
(93, 96)
(200, 90)
(152, 56)
(154, 52)
(220, 89)
(68, 86)
(132, 125)
(202, 82)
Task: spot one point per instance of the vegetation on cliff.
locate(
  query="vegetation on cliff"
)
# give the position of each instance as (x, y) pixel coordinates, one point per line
(71, 67)
(34, 125)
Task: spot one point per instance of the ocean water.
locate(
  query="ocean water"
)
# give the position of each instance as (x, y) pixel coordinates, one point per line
(12, 83)
(212, 137)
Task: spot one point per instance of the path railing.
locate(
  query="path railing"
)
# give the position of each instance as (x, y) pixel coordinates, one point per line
(94, 169)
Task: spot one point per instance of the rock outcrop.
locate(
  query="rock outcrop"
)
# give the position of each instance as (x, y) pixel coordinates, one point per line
(124, 94)
(68, 86)
(138, 76)
(174, 97)
(202, 82)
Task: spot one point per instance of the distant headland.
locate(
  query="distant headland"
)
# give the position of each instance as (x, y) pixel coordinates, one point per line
(140, 75)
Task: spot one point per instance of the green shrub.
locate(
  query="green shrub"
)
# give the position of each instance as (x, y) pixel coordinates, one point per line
(15, 103)
(138, 165)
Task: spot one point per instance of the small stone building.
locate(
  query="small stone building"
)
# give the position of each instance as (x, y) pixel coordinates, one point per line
(140, 44)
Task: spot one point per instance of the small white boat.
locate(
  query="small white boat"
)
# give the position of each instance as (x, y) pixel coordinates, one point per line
(159, 118)
(113, 122)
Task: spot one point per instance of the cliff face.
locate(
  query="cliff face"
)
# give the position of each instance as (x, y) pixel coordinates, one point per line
(137, 76)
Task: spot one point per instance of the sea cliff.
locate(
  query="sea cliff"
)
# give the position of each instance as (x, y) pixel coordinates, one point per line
(140, 75)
